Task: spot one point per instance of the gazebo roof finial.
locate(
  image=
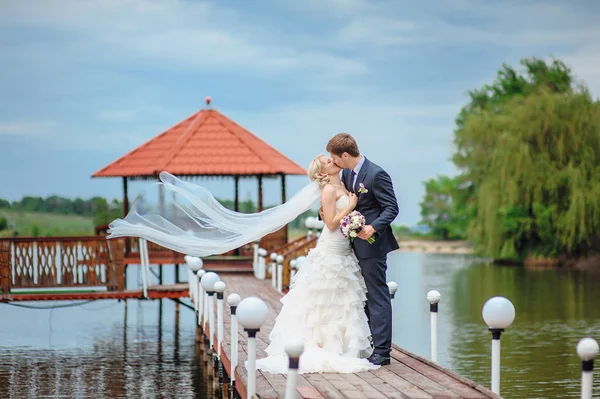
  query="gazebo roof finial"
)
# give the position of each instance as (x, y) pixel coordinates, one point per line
(207, 100)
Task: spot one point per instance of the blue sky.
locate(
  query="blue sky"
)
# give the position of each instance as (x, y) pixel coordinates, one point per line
(83, 82)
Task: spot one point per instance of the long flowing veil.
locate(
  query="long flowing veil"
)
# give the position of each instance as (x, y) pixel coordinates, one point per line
(188, 219)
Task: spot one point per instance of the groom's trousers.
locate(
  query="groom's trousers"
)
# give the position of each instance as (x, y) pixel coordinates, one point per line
(379, 306)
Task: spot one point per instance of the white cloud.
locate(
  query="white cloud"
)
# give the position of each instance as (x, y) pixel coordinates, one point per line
(176, 34)
(25, 128)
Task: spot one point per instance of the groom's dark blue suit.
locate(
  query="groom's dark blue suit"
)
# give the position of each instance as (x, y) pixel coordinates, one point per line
(379, 207)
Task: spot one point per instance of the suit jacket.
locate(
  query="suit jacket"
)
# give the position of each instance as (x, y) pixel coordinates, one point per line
(379, 207)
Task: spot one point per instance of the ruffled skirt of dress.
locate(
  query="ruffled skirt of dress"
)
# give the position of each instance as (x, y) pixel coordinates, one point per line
(325, 309)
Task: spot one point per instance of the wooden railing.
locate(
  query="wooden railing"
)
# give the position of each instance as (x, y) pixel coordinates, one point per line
(294, 249)
(67, 262)
(270, 242)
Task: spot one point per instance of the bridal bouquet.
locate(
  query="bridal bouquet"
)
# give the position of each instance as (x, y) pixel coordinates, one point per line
(352, 224)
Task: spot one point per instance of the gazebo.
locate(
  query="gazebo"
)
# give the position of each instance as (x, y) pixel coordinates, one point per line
(206, 144)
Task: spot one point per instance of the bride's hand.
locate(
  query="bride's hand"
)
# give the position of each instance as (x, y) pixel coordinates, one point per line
(353, 200)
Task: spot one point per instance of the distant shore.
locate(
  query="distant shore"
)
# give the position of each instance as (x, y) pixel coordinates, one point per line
(436, 247)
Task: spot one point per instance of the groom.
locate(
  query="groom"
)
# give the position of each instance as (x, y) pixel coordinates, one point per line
(377, 202)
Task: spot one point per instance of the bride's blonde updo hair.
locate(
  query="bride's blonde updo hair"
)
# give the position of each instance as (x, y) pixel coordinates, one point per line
(316, 173)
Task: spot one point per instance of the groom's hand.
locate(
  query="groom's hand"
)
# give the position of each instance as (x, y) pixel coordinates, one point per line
(366, 232)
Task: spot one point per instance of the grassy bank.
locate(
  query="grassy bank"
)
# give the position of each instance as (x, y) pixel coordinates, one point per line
(45, 224)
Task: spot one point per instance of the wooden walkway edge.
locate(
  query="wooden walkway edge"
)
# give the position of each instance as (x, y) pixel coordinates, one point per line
(173, 291)
(409, 376)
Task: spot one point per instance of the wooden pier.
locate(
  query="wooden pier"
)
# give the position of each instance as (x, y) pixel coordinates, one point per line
(409, 376)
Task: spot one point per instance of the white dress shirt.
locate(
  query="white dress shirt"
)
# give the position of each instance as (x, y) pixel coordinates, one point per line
(357, 170)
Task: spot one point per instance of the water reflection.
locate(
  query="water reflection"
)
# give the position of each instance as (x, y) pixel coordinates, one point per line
(555, 308)
(102, 349)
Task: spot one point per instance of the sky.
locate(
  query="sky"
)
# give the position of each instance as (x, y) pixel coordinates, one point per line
(84, 82)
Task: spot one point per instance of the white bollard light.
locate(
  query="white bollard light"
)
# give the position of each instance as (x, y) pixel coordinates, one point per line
(319, 224)
(280, 260)
(252, 313)
(309, 225)
(587, 349)
(219, 289)
(300, 261)
(293, 263)
(434, 297)
(208, 284)
(392, 288)
(233, 300)
(294, 350)
(498, 313)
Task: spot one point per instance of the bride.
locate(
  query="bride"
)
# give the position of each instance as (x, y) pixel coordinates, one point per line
(325, 305)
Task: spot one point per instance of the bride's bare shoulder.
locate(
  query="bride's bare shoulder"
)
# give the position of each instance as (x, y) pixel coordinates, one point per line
(329, 190)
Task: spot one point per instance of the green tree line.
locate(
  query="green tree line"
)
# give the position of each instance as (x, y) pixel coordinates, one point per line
(101, 210)
(98, 208)
(527, 152)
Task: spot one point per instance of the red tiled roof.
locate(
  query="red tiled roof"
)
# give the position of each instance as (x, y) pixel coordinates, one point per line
(206, 143)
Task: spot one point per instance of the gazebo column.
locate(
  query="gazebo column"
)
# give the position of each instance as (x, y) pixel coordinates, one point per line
(260, 194)
(236, 201)
(283, 199)
(125, 212)
(125, 197)
(283, 196)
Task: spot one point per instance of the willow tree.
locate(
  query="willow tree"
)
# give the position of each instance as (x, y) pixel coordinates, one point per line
(538, 180)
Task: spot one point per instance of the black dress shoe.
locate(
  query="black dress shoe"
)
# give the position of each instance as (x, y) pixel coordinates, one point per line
(379, 360)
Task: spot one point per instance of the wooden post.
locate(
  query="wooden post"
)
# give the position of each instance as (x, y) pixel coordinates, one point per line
(236, 202)
(116, 265)
(5, 268)
(260, 193)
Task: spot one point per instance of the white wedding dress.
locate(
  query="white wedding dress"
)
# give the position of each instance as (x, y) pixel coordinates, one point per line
(325, 309)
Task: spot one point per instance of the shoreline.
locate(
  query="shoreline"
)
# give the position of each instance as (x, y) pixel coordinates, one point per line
(435, 247)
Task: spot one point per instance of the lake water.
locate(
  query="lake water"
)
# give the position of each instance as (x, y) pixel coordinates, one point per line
(554, 310)
(99, 350)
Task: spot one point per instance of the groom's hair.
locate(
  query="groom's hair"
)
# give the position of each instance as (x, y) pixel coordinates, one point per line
(341, 143)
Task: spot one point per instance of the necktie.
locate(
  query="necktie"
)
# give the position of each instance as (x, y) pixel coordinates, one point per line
(352, 176)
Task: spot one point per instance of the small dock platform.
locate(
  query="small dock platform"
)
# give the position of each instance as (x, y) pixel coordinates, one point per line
(171, 291)
(409, 376)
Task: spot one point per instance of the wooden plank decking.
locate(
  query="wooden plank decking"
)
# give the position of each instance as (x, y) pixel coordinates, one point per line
(409, 376)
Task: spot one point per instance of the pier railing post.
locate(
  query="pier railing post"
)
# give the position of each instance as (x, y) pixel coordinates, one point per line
(293, 264)
(273, 269)
(498, 313)
(279, 283)
(434, 297)
(233, 300)
(252, 313)
(143, 252)
(219, 289)
(392, 288)
(294, 350)
(261, 270)
(200, 301)
(194, 265)
(587, 349)
(208, 284)
(255, 248)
